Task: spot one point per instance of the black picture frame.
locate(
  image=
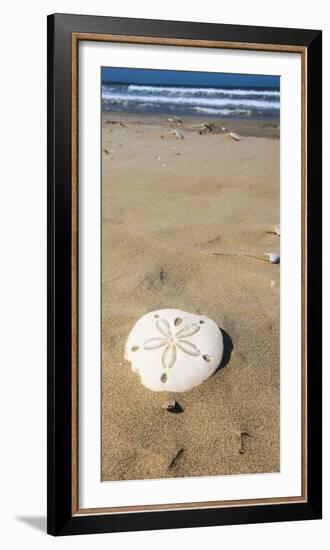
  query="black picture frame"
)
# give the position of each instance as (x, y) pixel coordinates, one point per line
(61, 518)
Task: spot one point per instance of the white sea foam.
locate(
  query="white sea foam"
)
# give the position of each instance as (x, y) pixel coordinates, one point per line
(191, 101)
(223, 112)
(178, 90)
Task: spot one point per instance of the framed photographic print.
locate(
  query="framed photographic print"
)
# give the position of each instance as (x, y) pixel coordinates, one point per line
(184, 274)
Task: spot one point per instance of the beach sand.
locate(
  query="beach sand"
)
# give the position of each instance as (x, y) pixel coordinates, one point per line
(185, 224)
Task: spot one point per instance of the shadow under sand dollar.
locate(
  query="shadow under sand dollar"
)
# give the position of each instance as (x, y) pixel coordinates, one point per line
(228, 347)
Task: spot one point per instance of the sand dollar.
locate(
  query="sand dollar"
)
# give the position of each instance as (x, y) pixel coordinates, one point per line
(173, 350)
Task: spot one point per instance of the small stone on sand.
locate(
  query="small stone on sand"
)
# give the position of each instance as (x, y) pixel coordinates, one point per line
(119, 122)
(172, 406)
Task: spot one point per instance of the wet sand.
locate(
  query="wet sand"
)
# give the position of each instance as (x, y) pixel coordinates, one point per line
(185, 224)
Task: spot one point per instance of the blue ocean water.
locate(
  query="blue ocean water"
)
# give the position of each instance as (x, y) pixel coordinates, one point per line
(222, 102)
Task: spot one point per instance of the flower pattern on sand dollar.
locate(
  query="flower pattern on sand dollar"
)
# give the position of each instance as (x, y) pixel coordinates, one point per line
(172, 342)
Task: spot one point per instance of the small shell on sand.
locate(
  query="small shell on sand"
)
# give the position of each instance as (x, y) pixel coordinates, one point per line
(177, 134)
(201, 128)
(175, 119)
(235, 136)
(273, 257)
(173, 350)
(277, 229)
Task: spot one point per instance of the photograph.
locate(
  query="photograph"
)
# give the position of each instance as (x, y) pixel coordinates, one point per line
(190, 269)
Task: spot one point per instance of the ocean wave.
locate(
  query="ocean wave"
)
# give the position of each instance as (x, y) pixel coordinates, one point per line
(115, 98)
(222, 112)
(190, 91)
